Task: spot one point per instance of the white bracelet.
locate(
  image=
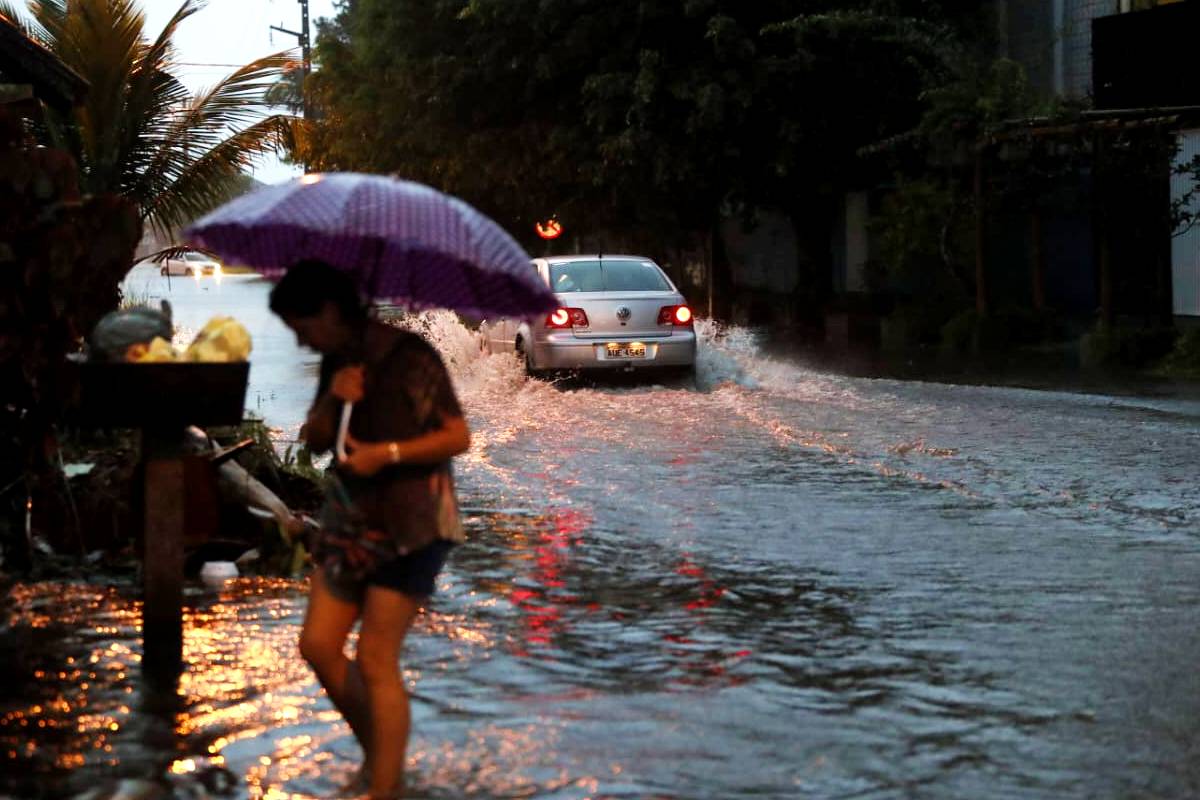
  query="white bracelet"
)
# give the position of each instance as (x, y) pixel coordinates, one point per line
(394, 452)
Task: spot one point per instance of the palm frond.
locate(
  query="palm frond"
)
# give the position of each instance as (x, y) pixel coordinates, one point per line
(20, 17)
(50, 16)
(178, 251)
(140, 133)
(154, 98)
(164, 43)
(211, 178)
(100, 40)
(206, 121)
(240, 97)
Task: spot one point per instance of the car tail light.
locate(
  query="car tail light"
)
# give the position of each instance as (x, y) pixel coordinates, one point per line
(567, 318)
(675, 315)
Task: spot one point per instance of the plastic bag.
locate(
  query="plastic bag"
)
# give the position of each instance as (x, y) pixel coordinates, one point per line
(159, 349)
(118, 331)
(222, 339)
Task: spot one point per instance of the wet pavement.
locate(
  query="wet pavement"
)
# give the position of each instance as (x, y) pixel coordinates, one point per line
(779, 582)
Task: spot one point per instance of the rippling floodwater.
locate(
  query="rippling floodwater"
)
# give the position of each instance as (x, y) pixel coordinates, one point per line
(778, 583)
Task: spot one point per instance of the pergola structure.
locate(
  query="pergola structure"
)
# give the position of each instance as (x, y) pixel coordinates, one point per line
(28, 71)
(1091, 135)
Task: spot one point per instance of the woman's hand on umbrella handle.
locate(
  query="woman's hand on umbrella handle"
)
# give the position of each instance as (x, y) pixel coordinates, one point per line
(347, 384)
(365, 458)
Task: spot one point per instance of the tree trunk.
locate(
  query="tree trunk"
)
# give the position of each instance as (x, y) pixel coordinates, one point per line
(720, 275)
(710, 250)
(982, 305)
(1038, 260)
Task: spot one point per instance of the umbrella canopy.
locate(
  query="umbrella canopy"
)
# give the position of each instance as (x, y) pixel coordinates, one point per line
(403, 242)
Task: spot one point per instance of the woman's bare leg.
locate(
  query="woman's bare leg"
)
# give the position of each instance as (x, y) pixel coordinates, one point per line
(327, 624)
(387, 616)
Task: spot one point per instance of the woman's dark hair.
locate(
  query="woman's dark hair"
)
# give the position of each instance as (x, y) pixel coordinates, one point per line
(308, 285)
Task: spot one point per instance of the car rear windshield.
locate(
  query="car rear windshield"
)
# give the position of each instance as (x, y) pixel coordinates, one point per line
(607, 275)
(195, 257)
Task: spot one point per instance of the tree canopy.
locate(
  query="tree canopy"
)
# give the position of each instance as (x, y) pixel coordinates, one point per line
(616, 113)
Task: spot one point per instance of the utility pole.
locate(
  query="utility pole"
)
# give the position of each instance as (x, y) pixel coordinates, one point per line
(305, 50)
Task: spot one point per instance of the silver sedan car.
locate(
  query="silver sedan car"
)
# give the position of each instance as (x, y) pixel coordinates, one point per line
(615, 313)
(191, 264)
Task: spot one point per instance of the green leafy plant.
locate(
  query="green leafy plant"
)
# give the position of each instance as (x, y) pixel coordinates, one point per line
(1184, 359)
(1131, 346)
(637, 124)
(139, 132)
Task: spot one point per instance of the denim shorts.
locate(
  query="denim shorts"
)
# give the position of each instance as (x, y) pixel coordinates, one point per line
(414, 574)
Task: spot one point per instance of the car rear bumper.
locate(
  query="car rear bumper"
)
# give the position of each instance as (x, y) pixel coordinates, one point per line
(565, 351)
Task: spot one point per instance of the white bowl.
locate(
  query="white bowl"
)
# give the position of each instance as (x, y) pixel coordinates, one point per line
(215, 573)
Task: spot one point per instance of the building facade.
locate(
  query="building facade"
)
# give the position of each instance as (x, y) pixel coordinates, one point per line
(1127, 58)
(1052, 39)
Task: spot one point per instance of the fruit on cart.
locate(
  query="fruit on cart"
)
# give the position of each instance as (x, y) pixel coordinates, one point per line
(222, 339)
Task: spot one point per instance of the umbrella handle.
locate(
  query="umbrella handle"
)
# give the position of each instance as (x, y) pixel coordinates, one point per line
(343, 428)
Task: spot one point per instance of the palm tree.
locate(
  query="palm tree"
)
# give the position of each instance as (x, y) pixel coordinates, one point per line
(139, 132)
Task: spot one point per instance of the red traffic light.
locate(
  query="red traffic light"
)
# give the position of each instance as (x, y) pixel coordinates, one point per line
(550, 229)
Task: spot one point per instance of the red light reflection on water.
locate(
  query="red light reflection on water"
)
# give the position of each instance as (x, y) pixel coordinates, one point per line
(708, 590)
(542, 604)
(702, 665)
(546, 610)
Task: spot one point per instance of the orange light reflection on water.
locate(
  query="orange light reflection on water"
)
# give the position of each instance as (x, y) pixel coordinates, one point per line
(71, 703)
(541, 594)
(243, 681)
(245, 687)
(246, 702)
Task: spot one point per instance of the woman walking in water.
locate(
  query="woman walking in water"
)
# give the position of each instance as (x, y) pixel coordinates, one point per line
(390, 517)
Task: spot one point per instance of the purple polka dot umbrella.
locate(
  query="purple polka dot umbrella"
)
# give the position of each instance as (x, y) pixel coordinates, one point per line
(403, 242)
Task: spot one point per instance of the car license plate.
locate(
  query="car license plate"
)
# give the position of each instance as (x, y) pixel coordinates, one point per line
(631, 350)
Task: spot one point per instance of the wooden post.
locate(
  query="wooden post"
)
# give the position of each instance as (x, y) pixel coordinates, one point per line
(1100, 221)
(162, 400)
(1107, 313)
(162, 566)
(1104, 257)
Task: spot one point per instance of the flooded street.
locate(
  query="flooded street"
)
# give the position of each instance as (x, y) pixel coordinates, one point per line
(776, 583)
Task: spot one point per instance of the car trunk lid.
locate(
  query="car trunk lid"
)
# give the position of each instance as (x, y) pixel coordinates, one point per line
(624, 314)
